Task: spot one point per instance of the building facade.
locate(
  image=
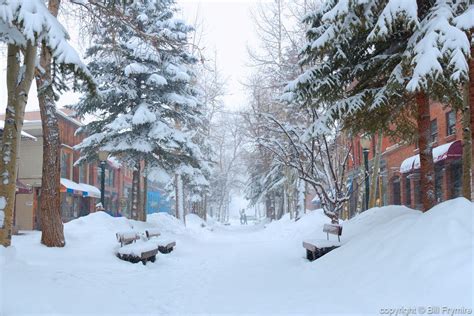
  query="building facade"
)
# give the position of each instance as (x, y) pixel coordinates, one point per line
(80, 184)
(399, 181)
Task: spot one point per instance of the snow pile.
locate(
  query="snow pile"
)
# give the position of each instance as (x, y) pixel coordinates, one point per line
(310, 223)
(197, 225)
(166, 223)
(396, 256)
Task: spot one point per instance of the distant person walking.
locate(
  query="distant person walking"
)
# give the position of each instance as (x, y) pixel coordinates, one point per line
(245, 217)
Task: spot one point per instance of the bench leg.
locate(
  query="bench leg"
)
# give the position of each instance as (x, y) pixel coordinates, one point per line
(310, 255)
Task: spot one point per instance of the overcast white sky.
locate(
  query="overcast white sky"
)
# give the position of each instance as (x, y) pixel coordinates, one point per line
(228, 29)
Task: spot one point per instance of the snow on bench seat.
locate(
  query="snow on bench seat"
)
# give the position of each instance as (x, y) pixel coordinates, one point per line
(165, 245)
(137, 248)
(139, 251)
(320, 243)
(316, 248)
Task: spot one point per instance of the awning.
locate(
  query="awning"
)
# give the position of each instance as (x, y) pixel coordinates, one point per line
(83, 189)
(443, 152)
(70, 186)
(89, 190)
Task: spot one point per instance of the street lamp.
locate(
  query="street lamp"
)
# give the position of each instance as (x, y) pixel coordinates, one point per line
(103, 155)
(365, 144)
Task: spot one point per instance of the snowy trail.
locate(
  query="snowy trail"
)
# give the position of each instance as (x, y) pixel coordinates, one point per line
(251, 269)
(231, 270)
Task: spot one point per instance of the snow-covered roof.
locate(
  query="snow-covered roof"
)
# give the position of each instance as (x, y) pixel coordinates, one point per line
(23, 134)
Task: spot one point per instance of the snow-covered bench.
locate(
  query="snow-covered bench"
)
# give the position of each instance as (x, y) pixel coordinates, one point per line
(334, 229)
(164, 245)
(152, 233)
(139, 251)
(317, 248)
(128, 237)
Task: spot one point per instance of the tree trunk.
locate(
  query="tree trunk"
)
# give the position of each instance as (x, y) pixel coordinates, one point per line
(204, 211)
(300, 209)
(471, 104)
(145, 192)
(135, 192)
(52, 231)
(375, 171)
(176, 197)
(467, 145)
(18, 88)
(426, 152)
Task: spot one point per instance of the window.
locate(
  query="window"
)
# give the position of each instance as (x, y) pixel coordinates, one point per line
(407, 191)
(65, 164)
(450, 123)
(456, 179)
(82, 173)
(417, 186)
(439, 182)
(396, 199)
(434, 131)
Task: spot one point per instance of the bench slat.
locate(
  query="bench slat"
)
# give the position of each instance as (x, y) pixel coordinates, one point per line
(332, 229)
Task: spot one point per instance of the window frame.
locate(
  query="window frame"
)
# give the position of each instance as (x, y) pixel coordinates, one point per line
(450, 129)
(434, 136)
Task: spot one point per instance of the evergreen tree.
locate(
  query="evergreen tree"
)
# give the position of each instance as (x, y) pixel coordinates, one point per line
(147, 108)
(377, 62)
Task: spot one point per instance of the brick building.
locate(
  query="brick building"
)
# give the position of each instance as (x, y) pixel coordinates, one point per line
(79, 184)
(398, 181)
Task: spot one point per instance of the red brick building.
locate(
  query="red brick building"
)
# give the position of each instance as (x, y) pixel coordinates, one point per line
(398, 181)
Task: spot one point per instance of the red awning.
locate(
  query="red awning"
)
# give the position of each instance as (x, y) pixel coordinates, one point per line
(447, 151)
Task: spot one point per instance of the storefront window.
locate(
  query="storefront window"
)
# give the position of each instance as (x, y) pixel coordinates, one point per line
(396, 191)
(417, 186)
(439, 183)
(456, 176)
(407, 191)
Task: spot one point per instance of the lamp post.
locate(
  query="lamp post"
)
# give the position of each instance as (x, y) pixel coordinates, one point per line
(103, 155)
(365, 144)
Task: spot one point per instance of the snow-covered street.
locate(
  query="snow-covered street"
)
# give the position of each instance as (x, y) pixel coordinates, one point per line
(250, 269)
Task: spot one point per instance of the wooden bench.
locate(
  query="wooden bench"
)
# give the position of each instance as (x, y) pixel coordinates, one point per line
(126, 238)
(334, 229)
(167, 247)
(164, 246)
(150, 233)
(141, 251)
(318, 248)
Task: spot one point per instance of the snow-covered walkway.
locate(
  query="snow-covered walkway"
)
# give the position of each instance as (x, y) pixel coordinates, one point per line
(402, 259)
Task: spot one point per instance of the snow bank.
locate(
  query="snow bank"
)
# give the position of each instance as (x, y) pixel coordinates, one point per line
(166, 223)
(399, 257)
